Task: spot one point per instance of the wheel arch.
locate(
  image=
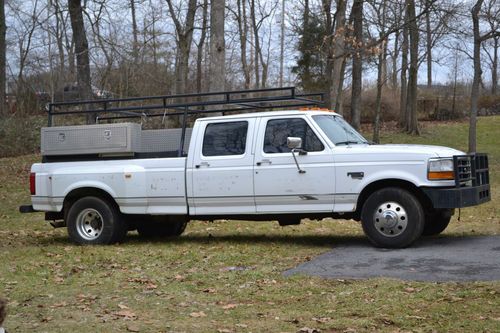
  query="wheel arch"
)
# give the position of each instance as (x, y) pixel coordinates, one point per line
(391, 182)
(87, 191)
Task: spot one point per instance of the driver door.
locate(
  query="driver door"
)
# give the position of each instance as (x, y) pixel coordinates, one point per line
(279, 187)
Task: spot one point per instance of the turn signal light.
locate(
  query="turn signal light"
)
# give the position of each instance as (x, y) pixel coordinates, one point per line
(440, 175)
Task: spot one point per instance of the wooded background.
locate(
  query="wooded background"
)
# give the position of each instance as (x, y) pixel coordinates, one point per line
(377, 60)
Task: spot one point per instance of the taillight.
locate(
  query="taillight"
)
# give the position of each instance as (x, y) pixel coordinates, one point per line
(32, 183)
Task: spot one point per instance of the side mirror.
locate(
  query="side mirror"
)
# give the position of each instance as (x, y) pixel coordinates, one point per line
(294, 142)
(295, 145)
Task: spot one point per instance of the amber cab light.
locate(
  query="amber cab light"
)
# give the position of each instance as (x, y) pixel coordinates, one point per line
(32, 183)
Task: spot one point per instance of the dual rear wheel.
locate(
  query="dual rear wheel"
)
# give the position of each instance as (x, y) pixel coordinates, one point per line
(94, 220)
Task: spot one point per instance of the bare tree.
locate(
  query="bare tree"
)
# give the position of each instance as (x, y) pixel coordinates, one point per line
(403, 117)
(3, 30)
(479, 38)
(82, 52)
(217, 46)
(241, 19)
(411, 100)
(428, 35)
(135, 33)
(200, 45)
(184, 37)
(381, 13)
(282, 42)
(338, 54)
(357, 63)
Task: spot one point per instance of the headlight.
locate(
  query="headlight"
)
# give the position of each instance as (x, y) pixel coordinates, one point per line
(440, 169)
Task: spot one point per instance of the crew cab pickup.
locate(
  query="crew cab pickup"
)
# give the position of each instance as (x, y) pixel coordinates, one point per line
(280, 165)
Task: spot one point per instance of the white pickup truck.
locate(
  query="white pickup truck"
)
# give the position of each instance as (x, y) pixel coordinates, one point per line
(282, 165)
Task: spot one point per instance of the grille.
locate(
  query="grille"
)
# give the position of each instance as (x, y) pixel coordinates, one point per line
(480, 170)
(471, 170)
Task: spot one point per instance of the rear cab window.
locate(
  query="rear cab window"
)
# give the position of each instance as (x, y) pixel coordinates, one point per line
(225, 139)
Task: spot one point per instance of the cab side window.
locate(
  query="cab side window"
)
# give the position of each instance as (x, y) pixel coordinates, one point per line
(277, 131)
(223, 139)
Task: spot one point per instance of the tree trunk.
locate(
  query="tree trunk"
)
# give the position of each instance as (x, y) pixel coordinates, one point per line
(338, 51)
(59, 37)
(217, 46)
(494, 67)
(477, 76)
(338, 107)
(82, 53)
(184, 34)
(282, 42)
(3, 29)
(428, 33)
(395, 55)
(378, 100)
(381, 75)
(330, 98)
(455, 77)
(243, 33)
(201, 43)
(357, 64)
(256, 43)
(412, 125)
(135, 45)
(403, 114)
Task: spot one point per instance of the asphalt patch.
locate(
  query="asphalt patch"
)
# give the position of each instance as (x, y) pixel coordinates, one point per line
(429, 259)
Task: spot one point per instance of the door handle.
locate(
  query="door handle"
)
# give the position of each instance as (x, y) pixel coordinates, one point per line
(205, 164)
(264, 161)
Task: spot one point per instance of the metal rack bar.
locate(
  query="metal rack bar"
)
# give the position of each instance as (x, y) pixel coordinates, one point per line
(286, 98)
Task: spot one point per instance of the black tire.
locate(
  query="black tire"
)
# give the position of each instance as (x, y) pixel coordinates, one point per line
(437, 221)
(92, 220)
(161, 226)
(392, 218)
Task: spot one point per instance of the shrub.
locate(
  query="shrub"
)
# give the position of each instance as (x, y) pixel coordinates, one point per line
(20, 135)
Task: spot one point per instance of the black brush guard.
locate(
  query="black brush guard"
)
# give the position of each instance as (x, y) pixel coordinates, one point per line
(472, 184)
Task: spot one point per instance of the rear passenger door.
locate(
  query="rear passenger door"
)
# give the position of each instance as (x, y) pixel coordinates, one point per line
(222, 170)
(279, 187)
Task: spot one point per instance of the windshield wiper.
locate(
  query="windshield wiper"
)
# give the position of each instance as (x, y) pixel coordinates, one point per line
(347, 142)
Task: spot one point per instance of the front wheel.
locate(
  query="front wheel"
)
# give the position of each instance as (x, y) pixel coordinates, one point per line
(92, 220)
(392, 218)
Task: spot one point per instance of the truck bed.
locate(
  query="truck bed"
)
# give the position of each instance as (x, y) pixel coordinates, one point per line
(139, 186)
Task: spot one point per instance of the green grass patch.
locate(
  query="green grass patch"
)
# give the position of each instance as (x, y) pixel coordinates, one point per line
(226, 276)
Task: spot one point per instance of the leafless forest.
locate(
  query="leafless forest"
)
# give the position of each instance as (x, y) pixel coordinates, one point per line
(377, 60)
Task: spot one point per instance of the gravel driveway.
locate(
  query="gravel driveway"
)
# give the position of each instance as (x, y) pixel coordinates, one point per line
(430, 259)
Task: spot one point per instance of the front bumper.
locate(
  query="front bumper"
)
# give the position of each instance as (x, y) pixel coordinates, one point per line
(457, 197)
(472, 184)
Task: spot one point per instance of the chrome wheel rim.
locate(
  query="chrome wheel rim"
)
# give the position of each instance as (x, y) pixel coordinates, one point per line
(390, 219)
(89, 224)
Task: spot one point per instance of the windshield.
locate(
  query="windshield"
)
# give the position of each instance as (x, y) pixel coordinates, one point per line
(338, 130)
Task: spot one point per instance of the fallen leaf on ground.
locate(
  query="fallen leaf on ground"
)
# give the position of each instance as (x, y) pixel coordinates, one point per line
(197, 314)
(133, 328)
(308, 330)
(127, 314)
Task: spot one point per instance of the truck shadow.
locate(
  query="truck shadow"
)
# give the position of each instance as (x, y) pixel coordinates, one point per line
(262, 239)
(328, 241)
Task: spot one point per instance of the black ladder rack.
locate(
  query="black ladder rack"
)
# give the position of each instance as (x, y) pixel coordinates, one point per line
(187, 104)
